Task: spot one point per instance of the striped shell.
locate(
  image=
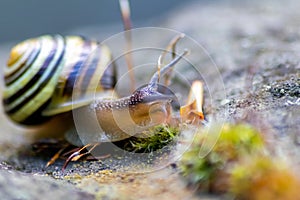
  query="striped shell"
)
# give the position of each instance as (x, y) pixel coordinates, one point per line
(41, 72)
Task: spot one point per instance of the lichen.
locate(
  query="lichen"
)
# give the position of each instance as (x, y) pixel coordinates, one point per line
(286, 88)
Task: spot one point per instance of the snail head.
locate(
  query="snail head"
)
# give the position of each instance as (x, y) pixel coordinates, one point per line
(153, 101)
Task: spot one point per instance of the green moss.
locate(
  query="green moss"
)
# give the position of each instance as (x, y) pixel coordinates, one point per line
(263, 177)
(234, 142)
(152, 139)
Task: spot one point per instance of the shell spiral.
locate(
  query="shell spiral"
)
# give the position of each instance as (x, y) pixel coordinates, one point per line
(40, 75)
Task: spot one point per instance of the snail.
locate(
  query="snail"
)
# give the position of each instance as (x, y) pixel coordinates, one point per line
(40, 78)
(39, 81)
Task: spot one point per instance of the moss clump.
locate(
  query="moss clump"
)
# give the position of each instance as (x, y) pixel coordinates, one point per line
(153, 139)
(210, 172)
(260, 178)
(238, 164)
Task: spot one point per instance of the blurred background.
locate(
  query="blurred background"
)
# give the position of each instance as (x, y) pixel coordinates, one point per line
(24, 19)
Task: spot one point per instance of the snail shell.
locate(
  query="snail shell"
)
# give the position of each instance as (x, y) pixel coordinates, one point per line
(41, 72)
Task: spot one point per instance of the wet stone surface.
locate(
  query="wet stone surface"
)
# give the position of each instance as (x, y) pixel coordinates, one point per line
(256, 47)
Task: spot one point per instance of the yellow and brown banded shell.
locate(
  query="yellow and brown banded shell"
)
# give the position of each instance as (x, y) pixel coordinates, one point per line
(41, 72)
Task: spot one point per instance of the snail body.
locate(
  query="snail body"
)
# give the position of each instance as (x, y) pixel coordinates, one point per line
(122, 118)
(40, 75)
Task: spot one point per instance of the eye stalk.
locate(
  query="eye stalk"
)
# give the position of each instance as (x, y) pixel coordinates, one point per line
(155, 78)
(150, 93)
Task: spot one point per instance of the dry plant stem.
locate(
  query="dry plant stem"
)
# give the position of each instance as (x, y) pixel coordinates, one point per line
(125, 12)
(77, 157)
(171, 47)
(55, 157)
(77, 154)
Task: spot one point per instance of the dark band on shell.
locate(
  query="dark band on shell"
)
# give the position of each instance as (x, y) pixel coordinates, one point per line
(41, 73)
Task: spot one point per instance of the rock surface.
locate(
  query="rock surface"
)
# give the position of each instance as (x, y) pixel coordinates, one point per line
(17, 185)
(256, 47)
